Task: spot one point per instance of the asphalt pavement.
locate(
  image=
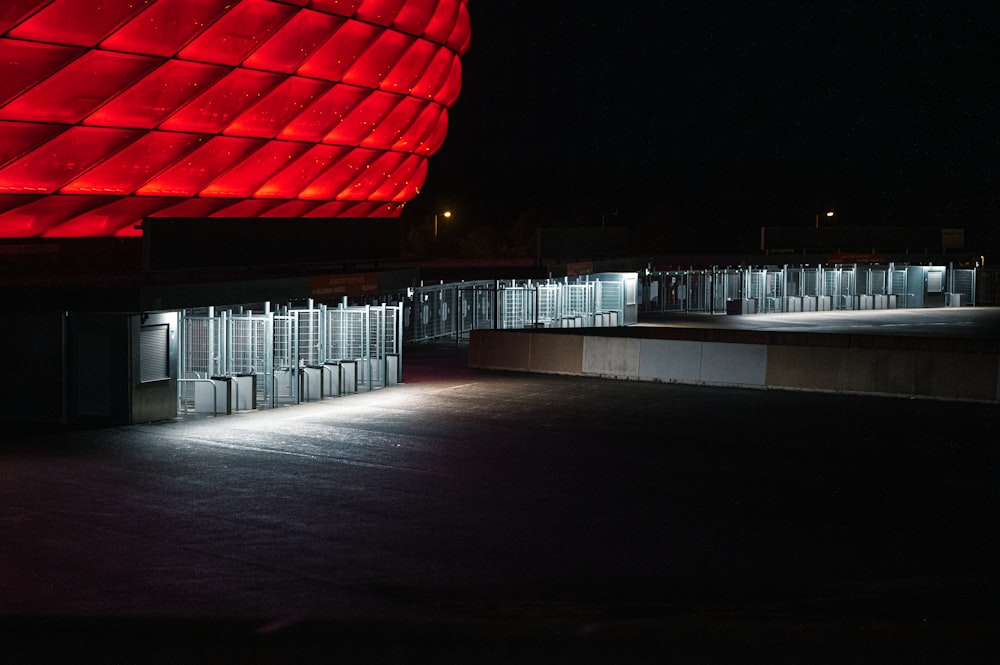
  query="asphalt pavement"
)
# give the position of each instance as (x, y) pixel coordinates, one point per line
(980, 323)
(483, 517)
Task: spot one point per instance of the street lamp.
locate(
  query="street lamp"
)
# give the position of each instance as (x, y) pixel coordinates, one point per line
(828, 213)
(446, 214)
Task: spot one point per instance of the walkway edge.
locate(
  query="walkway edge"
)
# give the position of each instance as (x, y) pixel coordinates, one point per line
(946, 369)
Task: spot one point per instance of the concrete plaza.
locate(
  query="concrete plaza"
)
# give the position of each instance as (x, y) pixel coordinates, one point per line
(472, 516)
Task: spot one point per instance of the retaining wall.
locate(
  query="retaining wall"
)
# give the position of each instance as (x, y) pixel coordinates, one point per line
(937, 368)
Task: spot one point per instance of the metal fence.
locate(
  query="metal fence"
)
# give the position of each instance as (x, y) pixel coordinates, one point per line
(240, 357)
(749, 290)
(987, 284)
(455, 309)
(265, 358)
(443, 310)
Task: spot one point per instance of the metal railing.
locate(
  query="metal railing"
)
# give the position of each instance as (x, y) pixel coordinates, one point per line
(455, 309)
(289, 350)
(987, 286)
(815, 288)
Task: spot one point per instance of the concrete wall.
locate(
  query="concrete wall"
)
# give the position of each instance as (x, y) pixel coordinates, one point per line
(611, 357)
(912, 367)
(527, 352)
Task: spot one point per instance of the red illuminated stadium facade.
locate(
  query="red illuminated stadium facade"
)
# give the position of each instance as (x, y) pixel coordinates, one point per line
(116, 111)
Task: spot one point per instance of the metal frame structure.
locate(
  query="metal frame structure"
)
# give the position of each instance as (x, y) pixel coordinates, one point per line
(455, 309)
(987, 282)
(290, 354)
(802, 288)
(290, 351)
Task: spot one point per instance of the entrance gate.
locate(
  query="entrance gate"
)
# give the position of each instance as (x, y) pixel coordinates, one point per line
(285, 357)
(284, 363)
(815, 288)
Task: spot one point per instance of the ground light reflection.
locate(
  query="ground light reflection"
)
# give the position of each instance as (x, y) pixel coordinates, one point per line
(370, 429)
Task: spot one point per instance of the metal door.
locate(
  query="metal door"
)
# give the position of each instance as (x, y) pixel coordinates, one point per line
(250, 345)
(513, 308)
(309, 336)
(286, 361)
(578, 303)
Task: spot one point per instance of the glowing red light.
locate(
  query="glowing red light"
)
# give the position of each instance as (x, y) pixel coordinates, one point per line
(115, 111)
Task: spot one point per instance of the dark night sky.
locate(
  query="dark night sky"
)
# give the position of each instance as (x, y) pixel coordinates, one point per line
(705, 121)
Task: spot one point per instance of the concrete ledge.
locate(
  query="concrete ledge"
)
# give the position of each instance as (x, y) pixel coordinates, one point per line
(670, 360)
(610, 357)
(934, 368)
(556, 355)
(726, 363)
(496, 349)
(841, 369)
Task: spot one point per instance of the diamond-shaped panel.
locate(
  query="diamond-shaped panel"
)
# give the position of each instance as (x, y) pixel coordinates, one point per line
(115, 111)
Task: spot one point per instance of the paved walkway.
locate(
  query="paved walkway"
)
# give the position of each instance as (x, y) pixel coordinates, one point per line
(484, 517)
(951, 322)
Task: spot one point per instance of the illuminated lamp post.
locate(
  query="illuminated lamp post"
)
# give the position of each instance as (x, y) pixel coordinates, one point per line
(446, 214)
(828, 213)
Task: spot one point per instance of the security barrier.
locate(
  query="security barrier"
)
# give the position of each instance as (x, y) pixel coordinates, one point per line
(263, 358)
(987, 285)
(293, 354)
(750, 290)
(456, 309)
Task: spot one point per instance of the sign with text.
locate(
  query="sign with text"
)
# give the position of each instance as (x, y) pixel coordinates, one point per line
(855, 257)
(335, 287)
(953, 238)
